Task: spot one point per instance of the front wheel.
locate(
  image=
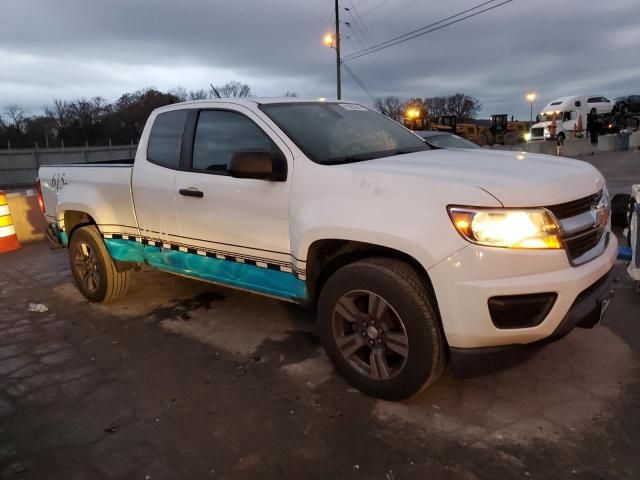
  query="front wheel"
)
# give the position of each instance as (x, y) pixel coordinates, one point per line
(378, 326)
(93, 269)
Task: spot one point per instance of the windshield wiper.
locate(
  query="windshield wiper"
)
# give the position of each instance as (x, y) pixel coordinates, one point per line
(341, 160)
(372, 156)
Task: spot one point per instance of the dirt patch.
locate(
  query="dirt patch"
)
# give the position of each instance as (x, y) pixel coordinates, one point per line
(564, 388)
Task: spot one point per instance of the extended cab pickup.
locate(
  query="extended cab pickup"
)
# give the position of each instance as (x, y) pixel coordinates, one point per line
(413, 255)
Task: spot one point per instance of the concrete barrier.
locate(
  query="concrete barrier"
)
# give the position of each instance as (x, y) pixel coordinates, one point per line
(19, 167)
(28, 219)
(574, 147)
(634, 140)
(544, 147)
(606, 143)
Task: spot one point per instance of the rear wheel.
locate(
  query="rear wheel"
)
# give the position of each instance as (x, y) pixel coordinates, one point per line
(511, 138)
(379, 328)
(93, 269)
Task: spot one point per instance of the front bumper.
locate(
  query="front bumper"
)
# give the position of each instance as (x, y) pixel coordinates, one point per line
(585, 312)
(465, 282)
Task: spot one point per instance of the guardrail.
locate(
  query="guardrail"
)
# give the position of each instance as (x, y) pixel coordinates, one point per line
(19, 167)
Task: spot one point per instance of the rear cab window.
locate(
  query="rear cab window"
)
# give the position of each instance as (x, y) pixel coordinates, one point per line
(222, 133)
(165, 139)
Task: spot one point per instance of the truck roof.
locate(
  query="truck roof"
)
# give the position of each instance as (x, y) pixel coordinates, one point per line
(258, 101)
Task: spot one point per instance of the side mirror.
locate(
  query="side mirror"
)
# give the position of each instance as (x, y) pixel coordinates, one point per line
(258, 164)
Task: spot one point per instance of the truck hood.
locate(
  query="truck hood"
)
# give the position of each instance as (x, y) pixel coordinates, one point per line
(541, 124)
(516, 179)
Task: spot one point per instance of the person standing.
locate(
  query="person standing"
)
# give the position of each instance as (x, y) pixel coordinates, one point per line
(593, 127)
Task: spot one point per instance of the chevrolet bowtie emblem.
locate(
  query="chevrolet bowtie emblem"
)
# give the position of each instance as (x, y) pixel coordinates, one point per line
(600, 212)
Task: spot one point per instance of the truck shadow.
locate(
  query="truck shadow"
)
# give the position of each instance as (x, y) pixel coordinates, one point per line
(543, 392)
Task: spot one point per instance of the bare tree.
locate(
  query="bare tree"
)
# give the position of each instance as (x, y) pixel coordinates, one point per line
(436, 106)
(390, 106)
(180, 93)
(199, 95)
(59, 112)
(415, 103)
(17, 116)
(234, 89)
(464, 107)
(290, 94)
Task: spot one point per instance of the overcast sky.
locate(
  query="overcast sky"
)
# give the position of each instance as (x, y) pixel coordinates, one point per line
(85, 48)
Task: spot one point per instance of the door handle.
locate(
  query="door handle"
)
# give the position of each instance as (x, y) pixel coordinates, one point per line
(191, 192)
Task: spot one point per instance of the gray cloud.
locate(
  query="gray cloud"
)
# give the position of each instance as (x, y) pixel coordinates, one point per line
(71, 48)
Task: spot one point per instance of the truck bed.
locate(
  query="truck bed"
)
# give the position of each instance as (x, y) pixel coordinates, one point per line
(105, 186)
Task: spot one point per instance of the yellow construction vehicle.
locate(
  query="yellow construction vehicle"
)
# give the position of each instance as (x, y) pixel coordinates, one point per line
(415, 119)
(502, 131)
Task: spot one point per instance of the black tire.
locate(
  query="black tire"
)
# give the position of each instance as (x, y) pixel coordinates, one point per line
(620, 208)
(511, 138)
(93, 269)
(409, 300)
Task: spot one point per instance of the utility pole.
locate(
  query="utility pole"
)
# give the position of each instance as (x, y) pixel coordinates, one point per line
(338, 61)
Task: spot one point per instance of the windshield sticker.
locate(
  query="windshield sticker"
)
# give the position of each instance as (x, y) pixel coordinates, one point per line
(352, 106)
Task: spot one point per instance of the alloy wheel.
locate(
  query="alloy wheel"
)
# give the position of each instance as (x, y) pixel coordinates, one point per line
(370, 335)
(85, 264)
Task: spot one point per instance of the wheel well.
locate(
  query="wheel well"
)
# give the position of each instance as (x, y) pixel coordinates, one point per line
(327, 256)
(74, 219)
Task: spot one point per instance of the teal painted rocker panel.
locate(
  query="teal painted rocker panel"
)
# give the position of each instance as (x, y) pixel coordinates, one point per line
(228, 272)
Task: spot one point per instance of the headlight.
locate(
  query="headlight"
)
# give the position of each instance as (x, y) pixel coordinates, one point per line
(497, 227)
(527, 137)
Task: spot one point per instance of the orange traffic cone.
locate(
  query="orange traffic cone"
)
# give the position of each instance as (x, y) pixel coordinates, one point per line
(579, 127)
(8, 237)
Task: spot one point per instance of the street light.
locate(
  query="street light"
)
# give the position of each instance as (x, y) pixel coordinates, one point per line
(328, 40)
(530, 98)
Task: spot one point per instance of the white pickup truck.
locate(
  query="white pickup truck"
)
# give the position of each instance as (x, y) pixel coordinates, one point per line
(413, 255)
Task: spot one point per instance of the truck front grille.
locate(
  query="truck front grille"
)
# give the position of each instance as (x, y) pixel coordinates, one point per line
(537, 132)
(575, 207)
(583, 223)
(579, 245)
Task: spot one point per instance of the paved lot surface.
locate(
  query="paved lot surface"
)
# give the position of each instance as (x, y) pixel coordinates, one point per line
(187, 380)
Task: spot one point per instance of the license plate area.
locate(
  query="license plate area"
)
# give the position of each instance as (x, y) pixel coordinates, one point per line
(604, 303)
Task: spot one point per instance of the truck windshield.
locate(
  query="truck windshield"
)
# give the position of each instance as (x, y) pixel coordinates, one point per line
(334, 133)
(549, 116)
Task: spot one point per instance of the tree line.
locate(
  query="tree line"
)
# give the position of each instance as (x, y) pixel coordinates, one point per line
(94, 121)
(464, 107)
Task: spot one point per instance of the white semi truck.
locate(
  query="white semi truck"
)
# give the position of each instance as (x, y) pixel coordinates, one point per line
(560, 117)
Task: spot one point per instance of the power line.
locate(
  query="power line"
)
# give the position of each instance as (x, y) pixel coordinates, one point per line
(360, 83)
(375, 67)
(427, 29)
(377, 60)
(412, 32)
